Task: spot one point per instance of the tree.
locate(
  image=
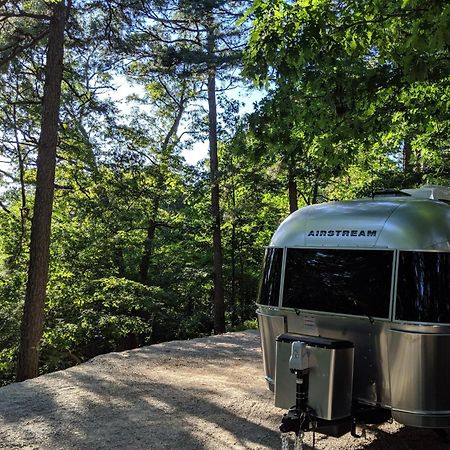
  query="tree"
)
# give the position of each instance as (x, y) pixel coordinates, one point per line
(356, 70)
(130, 250)
(254, 203)
(192, 38)
(33, 318)
(24, 37)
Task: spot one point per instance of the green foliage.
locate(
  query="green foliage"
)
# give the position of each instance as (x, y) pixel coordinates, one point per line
(354, 78)
(247, 325)
(358, 100)
(12, 291)
(88, 317)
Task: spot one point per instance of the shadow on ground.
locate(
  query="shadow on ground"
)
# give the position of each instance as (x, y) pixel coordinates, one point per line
(96, 405)
(396, 438)
(193, 395)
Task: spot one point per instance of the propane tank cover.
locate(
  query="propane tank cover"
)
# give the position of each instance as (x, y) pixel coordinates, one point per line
(299, 359)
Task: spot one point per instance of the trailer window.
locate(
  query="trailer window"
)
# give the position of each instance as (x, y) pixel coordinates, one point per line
(269, 287)
(423, 287)
(355, 282)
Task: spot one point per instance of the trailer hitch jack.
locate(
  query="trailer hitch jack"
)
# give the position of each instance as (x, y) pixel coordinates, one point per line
(353, 430)
(296, 417)
(290, 421)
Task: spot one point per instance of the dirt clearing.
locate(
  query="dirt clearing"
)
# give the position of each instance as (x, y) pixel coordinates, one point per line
(206, 393)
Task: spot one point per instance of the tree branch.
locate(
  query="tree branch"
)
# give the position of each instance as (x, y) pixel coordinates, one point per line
(18, 49)
(21, 13)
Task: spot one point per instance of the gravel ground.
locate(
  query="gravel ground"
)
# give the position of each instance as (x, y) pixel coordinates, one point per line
(204, 393)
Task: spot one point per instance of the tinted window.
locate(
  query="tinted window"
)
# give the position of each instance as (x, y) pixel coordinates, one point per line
(423, 287)
(356, 282)
(269, 287)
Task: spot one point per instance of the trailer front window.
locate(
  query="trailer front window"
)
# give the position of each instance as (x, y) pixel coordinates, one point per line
(423, 287)
(269, 287)
(353, 282)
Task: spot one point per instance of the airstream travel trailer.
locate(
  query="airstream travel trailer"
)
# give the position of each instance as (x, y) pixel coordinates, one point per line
(354, 312)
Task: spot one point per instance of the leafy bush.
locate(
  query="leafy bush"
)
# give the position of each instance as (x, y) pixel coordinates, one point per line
(108, 314)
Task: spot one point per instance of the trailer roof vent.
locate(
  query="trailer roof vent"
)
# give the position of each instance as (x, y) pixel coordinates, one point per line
(431, 192)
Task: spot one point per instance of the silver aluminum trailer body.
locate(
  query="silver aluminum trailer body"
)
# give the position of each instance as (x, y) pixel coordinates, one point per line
(374, 272)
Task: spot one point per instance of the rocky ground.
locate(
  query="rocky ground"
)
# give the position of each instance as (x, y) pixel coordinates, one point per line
(199, 394)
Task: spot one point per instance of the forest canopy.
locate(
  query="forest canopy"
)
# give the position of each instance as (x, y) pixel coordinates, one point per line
(144, 247)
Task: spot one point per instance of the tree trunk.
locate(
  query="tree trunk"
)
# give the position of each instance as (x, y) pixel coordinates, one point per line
(33, 315)
(234, 313)
(219, 302)
(407, 156)
(315, 192)
(148, 247)
(153, 221)
(292, 189)
(119, 261)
